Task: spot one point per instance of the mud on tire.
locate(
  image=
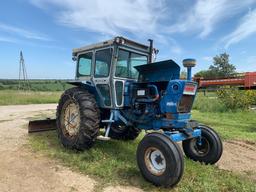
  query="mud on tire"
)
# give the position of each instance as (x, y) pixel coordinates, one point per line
(77, 119)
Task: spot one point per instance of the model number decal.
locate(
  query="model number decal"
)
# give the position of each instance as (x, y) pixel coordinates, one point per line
(170, 104)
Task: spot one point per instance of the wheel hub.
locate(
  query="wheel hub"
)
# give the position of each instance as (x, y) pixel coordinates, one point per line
(155, 161)
(201, 147)
(71, 119)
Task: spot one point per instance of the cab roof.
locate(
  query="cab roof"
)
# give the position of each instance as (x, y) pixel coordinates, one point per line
(119, 40)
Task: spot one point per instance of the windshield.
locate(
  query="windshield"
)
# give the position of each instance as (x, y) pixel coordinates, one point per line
(126, 62)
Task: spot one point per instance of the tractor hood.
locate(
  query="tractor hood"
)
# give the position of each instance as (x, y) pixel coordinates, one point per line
(159, 71)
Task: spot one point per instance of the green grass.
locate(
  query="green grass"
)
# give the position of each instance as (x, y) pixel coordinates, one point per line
(12, 97)
(231, 125)
(114, 162)
(208, 103)
(36, 85)
(239, 124)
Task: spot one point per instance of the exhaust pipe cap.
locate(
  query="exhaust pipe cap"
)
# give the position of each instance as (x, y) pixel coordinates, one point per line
(189, 62)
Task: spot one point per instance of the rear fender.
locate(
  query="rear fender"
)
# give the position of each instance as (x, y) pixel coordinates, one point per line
(89, 86)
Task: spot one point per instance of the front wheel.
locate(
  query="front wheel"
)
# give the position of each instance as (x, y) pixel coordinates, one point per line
(160, 160)
(207, 149)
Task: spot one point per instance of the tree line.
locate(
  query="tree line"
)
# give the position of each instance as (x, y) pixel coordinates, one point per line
(221, 68)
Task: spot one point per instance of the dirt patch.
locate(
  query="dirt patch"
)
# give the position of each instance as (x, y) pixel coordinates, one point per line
(25, 171)
(122, 189)
(239, 156)
(22, 170)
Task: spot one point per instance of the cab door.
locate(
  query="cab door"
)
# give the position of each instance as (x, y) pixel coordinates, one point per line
(101, 78)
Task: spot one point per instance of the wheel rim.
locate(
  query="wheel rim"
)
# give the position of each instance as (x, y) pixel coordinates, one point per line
(71, 119)
(201, 147)
(155, 161)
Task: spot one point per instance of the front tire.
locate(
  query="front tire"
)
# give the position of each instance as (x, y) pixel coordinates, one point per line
(208, 150)
(77, 119)
(160, 160)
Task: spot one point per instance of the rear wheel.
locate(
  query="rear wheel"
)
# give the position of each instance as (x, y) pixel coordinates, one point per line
(123, 132)
(77, 119)
(207, 149)
(160, 160)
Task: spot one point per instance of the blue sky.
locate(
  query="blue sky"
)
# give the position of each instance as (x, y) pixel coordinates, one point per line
(47, 30)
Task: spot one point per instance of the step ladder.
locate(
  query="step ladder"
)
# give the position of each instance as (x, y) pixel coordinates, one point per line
(108, 122)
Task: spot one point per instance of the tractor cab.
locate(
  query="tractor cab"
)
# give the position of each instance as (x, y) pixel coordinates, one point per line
(121, 75)
(108, 65)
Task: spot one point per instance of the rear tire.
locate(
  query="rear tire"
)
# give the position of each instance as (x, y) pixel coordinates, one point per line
(123, 132)
(160, 160)
(77, 119)
(210, 149)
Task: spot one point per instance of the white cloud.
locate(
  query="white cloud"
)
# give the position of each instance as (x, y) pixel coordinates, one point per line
(8, 39)
(138, 18)
(176, 49)
(144, 18)
(206, 14)
(112, 18)
(246, 28)
(23, 32)
(207, 58)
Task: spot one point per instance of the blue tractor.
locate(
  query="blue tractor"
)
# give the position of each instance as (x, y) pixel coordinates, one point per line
(120, 89)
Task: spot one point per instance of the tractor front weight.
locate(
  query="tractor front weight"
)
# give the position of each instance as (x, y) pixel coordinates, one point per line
(184, 135)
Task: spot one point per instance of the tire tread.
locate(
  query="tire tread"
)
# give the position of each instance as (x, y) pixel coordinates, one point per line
(89, 118)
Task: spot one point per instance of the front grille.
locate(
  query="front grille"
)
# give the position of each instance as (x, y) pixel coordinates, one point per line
(185, 104)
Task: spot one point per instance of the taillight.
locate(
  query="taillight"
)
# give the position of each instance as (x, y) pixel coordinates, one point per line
(190, 89)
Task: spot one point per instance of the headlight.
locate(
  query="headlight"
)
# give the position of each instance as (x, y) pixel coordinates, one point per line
(175, 88)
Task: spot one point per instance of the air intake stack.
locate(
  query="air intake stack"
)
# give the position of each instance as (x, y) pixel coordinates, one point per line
(189, 63)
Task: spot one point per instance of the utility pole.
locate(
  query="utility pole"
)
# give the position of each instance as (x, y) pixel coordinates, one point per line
(23, 76)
